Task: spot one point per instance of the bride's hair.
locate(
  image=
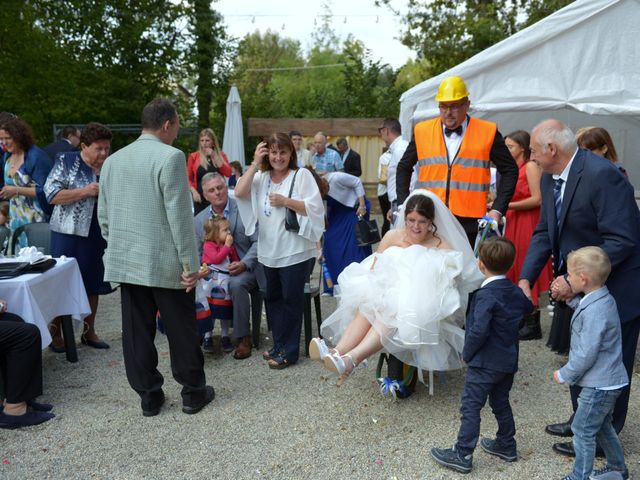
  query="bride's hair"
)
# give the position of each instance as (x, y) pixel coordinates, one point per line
(422, 205)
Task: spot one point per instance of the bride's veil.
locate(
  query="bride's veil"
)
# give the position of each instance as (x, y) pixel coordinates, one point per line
(450, 230)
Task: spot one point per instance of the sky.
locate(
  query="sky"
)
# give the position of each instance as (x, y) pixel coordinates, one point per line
(377, 27)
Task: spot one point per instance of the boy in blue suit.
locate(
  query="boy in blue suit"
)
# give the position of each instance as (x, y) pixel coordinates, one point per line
(595, 364)
(491, 353)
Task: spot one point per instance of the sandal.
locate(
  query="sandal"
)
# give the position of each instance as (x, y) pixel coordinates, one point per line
(279, 363)
(269, 354)
(318, 349)
(335, 363)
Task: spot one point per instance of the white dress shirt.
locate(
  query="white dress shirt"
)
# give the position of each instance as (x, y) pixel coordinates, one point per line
(397, 148)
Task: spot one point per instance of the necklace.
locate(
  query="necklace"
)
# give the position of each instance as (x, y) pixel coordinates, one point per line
(272, 187)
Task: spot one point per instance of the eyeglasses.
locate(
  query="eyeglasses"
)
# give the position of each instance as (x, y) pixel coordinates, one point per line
(454, 108)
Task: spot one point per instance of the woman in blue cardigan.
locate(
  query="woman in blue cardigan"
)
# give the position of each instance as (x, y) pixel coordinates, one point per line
(25, 171)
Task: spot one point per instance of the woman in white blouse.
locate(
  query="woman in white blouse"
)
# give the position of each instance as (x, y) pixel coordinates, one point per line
(264, 193)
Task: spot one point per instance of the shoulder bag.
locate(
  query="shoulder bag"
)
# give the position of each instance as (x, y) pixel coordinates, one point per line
(290, 216)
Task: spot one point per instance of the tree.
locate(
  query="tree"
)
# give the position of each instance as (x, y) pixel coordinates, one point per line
(210, 49)
(447, 32)
(77, 61)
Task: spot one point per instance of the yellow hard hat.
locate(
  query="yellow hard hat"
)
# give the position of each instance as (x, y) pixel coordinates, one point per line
(451, 89)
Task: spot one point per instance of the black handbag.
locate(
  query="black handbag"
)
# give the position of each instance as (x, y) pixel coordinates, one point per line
(367, 232)
(290, 216)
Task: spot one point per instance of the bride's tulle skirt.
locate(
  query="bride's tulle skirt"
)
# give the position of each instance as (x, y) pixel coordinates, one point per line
(412, 298)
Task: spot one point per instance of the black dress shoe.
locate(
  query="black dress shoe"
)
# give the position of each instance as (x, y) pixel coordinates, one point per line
(210, 394)
(31, 417)
(155, 409)
(567, 449)
(559, 429)
(39, 407)
(94, 344)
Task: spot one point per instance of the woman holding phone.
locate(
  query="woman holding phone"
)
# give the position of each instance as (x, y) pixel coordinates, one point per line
(273, 184)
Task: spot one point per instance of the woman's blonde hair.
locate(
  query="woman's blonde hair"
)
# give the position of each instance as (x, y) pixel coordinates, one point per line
(212, 228)
(204, 161)
(593, 261)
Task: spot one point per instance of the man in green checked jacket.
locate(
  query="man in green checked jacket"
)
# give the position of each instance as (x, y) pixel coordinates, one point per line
(145, 213)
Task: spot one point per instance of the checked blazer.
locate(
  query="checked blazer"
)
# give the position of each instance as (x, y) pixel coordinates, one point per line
(145, 213)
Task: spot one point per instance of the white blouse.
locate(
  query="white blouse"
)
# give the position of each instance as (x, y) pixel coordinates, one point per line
(278, 247)
(344, 188)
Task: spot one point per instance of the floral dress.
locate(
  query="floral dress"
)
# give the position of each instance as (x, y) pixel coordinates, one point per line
(22, 209)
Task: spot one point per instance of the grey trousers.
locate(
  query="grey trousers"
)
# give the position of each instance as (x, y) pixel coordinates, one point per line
(240, 287)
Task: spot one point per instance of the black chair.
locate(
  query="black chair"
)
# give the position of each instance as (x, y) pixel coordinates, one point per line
(38, 235)
(5, 237)
(311, 291)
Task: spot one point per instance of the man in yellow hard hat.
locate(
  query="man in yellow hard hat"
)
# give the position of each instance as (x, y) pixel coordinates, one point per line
(453, 153)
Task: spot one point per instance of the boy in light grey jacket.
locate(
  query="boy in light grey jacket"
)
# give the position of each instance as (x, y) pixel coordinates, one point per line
(595, 364)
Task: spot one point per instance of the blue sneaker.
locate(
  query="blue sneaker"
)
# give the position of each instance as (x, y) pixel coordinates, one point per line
(492, 448)
(608, 473)
(450, 458)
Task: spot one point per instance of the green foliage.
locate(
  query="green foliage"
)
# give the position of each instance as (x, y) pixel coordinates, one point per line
(211, 49)
(447, 32)
(351, 85)
(77, 61)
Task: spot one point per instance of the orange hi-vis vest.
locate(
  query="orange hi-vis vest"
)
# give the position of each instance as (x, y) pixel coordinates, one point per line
(462, 183)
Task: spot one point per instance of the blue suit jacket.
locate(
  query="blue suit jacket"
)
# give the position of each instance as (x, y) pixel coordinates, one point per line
(491, 329)
(595, 359)
(59, 146)
(598, 208)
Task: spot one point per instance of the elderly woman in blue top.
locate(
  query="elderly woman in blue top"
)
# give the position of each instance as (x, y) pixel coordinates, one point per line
(72, 187)
(25, 170)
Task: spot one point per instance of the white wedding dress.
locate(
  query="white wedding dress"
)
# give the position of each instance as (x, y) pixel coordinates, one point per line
(414, 297)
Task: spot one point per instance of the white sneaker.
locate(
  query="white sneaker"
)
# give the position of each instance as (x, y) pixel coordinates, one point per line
(318, 349)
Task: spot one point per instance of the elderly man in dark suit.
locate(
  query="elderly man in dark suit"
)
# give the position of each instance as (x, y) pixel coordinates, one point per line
(243, 273)
(68, 142)
(586, 201)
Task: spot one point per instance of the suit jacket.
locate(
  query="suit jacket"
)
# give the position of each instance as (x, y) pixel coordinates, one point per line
(598, 208)
(59, 146)
(144, 211)
(491, 329)
(352, 163)
(246, 246)
(595, 359)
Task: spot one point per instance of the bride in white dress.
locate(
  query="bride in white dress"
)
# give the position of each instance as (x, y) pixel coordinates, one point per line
(408, 298)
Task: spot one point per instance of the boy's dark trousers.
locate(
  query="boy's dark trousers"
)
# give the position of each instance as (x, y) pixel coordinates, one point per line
(480, 384)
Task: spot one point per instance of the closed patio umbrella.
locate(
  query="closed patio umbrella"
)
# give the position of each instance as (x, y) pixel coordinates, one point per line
(233, 144)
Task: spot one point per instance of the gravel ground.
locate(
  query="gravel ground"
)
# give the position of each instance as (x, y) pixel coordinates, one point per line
(286, 424)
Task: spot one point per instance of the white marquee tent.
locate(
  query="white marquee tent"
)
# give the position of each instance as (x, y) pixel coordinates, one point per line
(580, 65)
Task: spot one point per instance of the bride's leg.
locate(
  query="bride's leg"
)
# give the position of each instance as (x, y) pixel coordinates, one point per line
(355, 332)
(369, 345)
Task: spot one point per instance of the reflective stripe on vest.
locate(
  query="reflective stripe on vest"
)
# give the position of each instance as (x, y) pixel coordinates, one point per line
(464, 185)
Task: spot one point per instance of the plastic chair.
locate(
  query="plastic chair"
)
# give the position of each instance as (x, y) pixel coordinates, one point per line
(311, 291)
(38, 235)
(5, 237)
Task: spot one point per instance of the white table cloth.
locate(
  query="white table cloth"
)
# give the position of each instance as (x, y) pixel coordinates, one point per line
(41, 297)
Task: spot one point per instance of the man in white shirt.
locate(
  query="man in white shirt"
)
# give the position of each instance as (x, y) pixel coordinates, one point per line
(391, 134)
(303, 155)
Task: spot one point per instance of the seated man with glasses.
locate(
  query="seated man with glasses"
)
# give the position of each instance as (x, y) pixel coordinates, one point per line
(454, 152)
